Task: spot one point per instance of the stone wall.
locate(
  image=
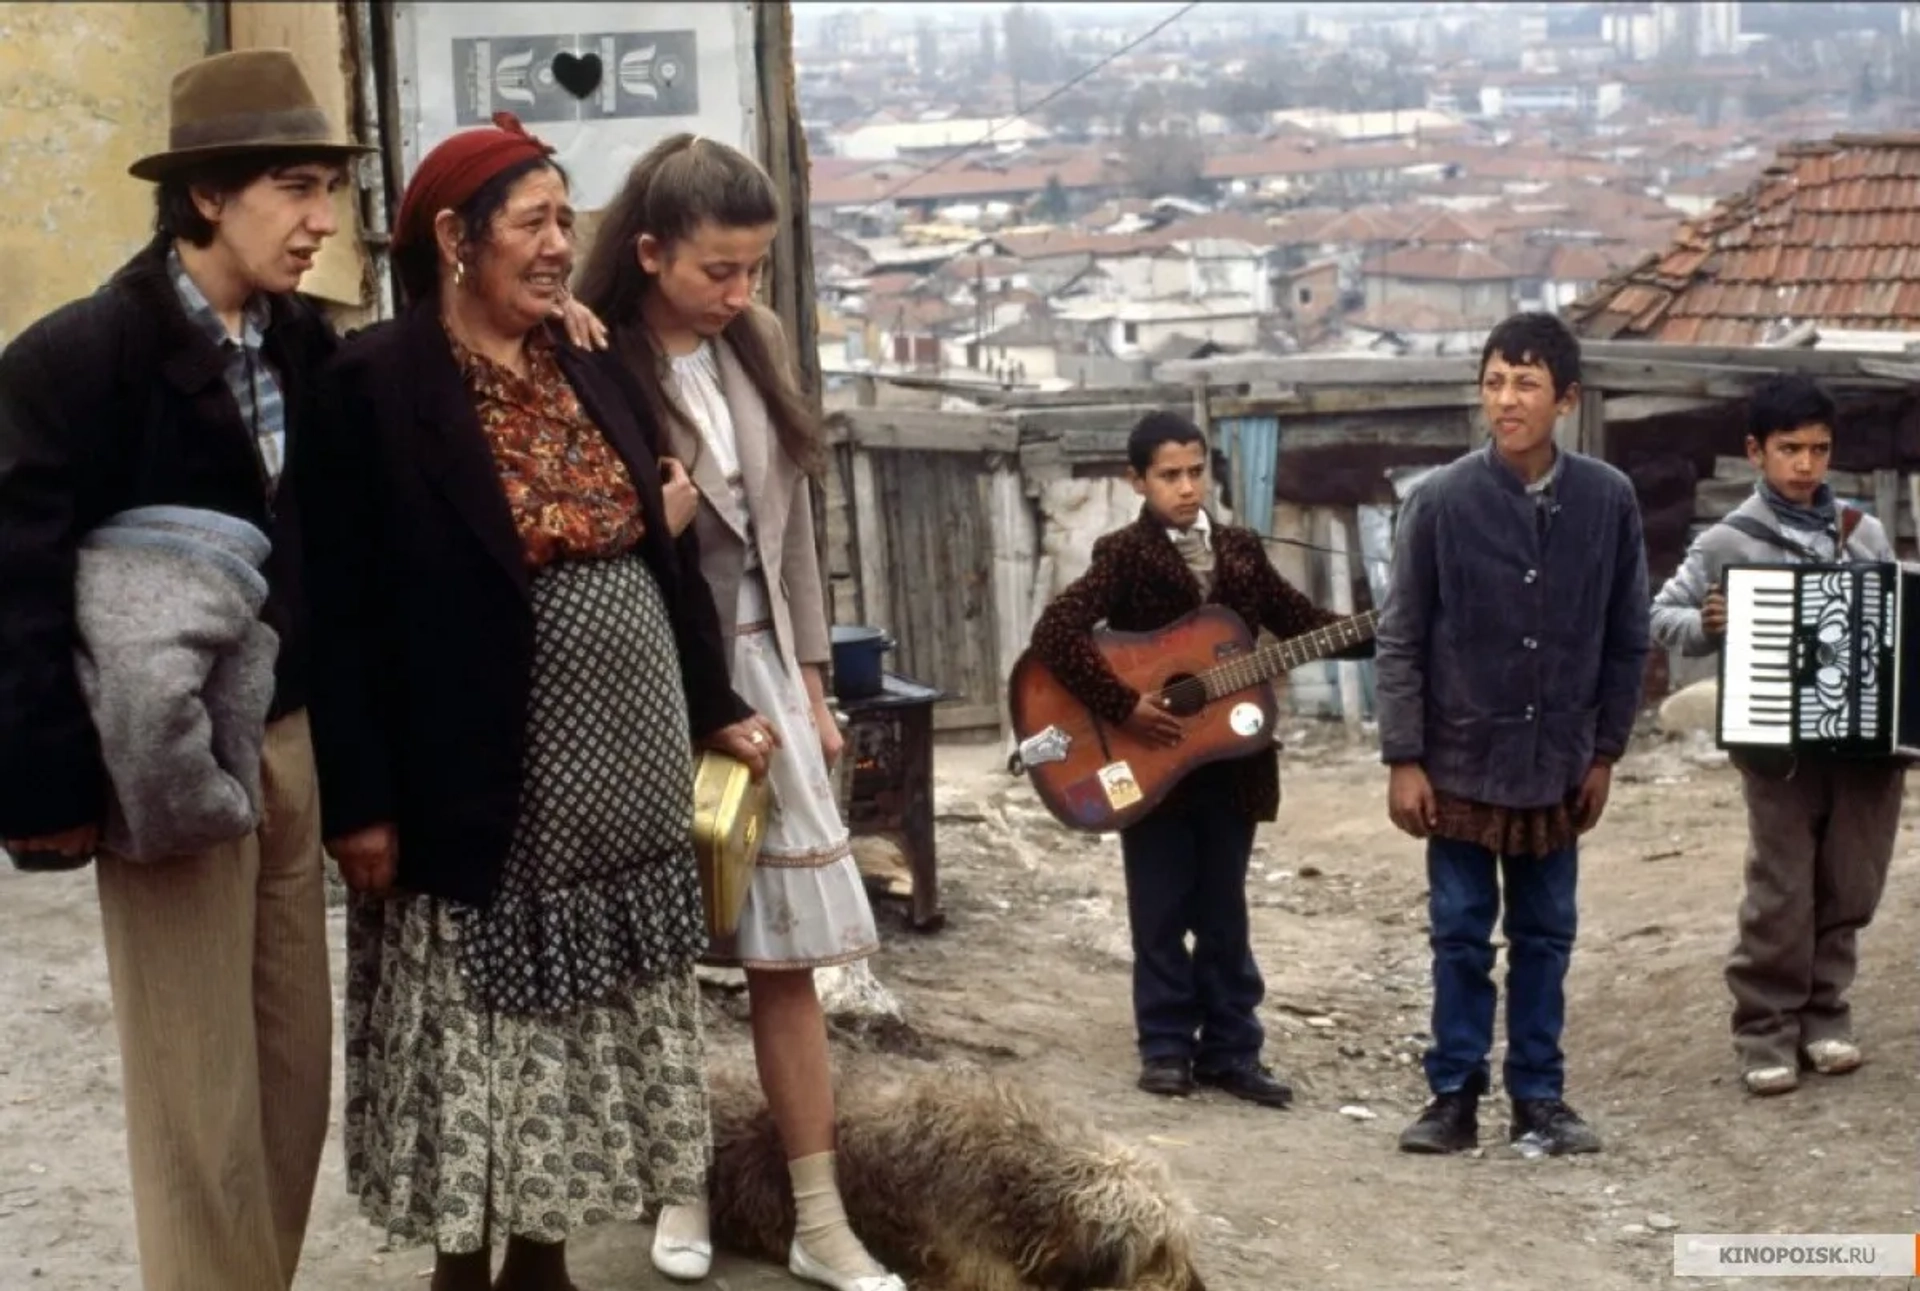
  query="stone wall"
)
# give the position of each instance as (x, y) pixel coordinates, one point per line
(83, 93)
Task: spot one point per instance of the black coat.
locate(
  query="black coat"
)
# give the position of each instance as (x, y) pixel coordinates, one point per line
(114, 401)
(423, 622)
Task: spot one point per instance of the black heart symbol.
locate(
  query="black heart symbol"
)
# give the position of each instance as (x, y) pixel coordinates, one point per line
(578, 74)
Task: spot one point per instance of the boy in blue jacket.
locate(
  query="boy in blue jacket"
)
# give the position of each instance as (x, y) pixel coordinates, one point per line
(1509, 664)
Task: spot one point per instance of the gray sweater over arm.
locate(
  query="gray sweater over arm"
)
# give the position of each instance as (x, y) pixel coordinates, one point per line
(178, 673)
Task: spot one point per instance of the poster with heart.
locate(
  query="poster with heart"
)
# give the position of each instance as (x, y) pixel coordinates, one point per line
(520, 75)
(601, 92)
(645, 74)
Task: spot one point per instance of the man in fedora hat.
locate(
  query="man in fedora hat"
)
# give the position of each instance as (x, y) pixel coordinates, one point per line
(181, 383)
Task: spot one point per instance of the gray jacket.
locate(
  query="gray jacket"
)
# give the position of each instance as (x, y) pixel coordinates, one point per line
(1507, 662)
(1676, 610)
(177, 669)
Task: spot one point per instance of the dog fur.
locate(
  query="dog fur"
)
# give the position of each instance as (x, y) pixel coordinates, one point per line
(960, 1182)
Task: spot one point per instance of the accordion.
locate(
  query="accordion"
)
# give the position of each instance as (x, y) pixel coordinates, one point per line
(1821, 659)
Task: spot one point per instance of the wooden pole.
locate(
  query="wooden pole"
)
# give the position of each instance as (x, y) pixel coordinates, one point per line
(1015, 545)
(870, 543)
(783, 151)
(1886, 501)
(1340, 600)
(1593, 424)
(1913, 513)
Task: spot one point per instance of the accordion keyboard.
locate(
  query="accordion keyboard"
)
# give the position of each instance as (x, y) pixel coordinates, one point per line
(1756, 698)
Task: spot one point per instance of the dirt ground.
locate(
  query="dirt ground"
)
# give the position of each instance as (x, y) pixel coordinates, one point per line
(1030, 977)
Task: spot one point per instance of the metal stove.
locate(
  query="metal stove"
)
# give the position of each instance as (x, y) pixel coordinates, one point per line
(887, 788)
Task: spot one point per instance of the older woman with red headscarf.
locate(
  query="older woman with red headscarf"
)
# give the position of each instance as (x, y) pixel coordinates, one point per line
(515, 658)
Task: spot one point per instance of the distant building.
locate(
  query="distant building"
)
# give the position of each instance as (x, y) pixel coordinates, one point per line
(885, 141)
(1550, 94)
(1632, 30)
(1688, 29)
(1457, 281)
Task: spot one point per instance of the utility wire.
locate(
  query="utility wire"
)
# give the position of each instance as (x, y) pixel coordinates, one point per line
(1350, 553)
(1055, 93)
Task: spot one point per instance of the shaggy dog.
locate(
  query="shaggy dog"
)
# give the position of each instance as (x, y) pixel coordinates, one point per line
(960, 1182)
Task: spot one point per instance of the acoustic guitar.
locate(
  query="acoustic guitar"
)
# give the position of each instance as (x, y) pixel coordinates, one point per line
(1096, 777)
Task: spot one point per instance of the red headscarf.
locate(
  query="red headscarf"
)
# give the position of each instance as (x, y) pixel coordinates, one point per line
(457, 169)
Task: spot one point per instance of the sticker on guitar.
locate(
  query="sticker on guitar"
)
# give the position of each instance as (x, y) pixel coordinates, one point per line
(1122, 790)
(1246, 719)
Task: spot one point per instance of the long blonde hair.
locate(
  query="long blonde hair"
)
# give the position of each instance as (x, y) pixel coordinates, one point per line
(683, 182)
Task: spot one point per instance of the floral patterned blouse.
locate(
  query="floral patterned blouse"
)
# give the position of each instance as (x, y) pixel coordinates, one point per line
(570, 495)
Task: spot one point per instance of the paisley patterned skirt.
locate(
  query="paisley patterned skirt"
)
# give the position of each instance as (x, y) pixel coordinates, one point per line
(538, 1067)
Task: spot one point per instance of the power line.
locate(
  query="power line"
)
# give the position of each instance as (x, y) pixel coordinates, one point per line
(1055, 93)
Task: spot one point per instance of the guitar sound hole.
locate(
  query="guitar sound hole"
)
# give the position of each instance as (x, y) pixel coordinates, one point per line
(1185, 694)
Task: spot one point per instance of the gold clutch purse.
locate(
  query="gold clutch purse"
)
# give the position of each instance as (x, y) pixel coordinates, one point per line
(729, 822)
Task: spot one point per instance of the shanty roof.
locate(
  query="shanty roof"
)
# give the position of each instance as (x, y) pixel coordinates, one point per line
(1829, 235)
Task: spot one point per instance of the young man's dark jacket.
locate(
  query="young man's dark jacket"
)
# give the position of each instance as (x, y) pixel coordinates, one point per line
(1138, 582)
(116, 401)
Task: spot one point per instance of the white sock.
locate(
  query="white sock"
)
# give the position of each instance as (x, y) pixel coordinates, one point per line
(683, 1224)
(821, 1226)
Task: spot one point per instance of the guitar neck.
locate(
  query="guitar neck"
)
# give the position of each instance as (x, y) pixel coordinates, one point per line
(1282, 657)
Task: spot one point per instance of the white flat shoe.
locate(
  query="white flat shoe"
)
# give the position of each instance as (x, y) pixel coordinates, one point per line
(683, 1261)
(808, 1269)
(1770, 1080)
(1833, 1057)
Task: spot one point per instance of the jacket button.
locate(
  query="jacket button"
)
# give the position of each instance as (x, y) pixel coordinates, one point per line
(1532, 574)
(1529, 712)
(1531, 644)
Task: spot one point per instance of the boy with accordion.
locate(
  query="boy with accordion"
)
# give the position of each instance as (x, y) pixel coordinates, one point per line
(1820, 827)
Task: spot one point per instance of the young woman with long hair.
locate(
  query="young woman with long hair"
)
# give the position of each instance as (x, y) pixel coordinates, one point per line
(672, 274)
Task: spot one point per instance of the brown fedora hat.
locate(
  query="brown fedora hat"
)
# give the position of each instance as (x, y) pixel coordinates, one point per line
(247, 101)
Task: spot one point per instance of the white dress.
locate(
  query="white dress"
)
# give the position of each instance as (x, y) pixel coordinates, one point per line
(807, 907)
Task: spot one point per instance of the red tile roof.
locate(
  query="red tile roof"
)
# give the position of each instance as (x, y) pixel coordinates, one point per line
(1280, 158)
(1829, 235)
(1438, 264)
(1447, 228)
(902, 181)
(1581, 264)
(1072, 242)
(1417, 316)
(1367, 224)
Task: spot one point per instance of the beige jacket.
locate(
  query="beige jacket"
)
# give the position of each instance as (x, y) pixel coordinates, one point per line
(782, 507)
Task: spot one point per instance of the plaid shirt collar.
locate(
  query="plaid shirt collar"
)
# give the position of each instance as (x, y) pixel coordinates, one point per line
(255, 317)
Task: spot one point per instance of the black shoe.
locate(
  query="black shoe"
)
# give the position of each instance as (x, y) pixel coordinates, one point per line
(1450, 1123)
(1254, 1083)
(1167, 1077)
(1550, 1126)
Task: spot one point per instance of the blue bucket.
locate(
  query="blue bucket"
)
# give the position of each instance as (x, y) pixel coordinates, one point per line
(857, 671)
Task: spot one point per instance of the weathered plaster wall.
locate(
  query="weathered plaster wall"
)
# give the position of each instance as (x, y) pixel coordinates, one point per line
(83, 92)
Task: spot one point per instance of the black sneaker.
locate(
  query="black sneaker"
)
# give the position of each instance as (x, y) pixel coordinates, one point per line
(1549, 1127)
(1167, 1077)
(1450, 1123)
(1255, 1084)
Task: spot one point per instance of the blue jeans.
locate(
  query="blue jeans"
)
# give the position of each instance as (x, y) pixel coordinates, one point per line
(1186, 870)
(1464, 885)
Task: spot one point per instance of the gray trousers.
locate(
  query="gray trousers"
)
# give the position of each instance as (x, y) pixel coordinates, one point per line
(1819, 842)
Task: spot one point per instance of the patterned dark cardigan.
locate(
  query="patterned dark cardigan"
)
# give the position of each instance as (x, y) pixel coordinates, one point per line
(1138, 582)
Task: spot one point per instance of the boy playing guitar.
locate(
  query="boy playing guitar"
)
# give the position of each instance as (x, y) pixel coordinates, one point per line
(1186, 861)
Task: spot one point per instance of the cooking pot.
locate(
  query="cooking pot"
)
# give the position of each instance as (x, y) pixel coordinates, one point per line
(857, 673)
